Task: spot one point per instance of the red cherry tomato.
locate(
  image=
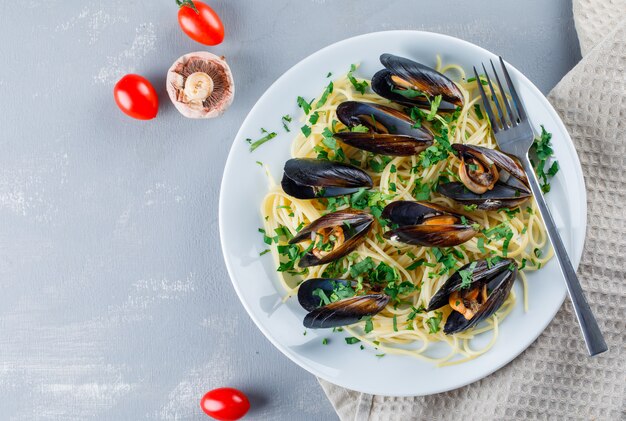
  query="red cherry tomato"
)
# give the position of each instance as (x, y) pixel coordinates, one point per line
(225, 404)
(202, 25)
(136, 97)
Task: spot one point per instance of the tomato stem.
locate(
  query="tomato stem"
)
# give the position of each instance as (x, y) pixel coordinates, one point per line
(187, 3)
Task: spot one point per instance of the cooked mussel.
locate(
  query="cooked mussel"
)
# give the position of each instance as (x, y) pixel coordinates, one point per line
(326, 313)
(489, 178)
(389, 131)
(476, 300)
(333, 235)
(427, 224)
(414, 84)
(307, 178)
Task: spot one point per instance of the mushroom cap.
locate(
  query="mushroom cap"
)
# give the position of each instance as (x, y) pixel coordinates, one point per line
(174, 83)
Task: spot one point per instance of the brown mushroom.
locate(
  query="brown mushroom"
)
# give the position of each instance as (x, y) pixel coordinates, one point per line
(200, 85)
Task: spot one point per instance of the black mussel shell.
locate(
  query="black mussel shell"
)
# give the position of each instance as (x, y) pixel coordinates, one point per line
(308, 300)
(406, 212)
(499, 279)
(346, 312)
(343, 312)
(421, 77)
(383, 86)
(355, 225)
(399, 137)
(307, 178)
(384, 144)
(410, 217)
(432, 235)
(501, 196)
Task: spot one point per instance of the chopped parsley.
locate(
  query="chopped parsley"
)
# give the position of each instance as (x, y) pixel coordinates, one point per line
(543, 151)
(437, 152)
(510, 213)
(421, 191)
(324, 97)
(306, 106)
(499, 232)
(409, 93)
(264, 252)
(470, 208)
(306, 130)
(286, 119)
(481, 244)
(314, 117)
(395, 323)
(359, 128)
(361, 267)
(369, 325)
(325, 341)
(419, 263)
(352, 340)
(447, 259)
(414, 312)
(467, 275)
(434, 106)
(359, 86)
(255, 144)
(378, 163)
(434, 322)
(478, 112)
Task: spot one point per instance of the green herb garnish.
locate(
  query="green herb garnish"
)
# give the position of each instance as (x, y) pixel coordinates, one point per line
(359, 86)
(434, 322)
(255, 144)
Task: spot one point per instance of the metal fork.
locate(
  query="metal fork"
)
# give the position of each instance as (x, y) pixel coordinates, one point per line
(515, 136)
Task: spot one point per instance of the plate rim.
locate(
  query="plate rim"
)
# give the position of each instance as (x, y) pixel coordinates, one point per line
(230, 159)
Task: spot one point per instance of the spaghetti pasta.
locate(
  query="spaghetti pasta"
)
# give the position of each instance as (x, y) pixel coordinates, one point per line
(404, 327)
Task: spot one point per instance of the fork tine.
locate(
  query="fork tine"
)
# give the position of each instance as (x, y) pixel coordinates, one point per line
(516, 101)
(512, 116)
(495, 99)
(492, 119)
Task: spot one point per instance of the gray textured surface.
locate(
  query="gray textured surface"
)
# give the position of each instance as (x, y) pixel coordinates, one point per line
(114, 299)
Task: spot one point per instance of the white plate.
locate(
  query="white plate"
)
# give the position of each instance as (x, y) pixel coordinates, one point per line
(254, 277)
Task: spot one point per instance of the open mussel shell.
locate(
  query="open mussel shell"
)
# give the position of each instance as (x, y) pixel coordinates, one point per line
(307, 178)
(308, 300)
(489, 178)
(427, 224)
(343, 312)
(498, 279)
(501, 196)
(492, 161)
(391, 132)
(351, 225)
(401, 73)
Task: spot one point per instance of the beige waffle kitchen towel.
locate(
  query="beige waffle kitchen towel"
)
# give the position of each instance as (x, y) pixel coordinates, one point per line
(554, 378)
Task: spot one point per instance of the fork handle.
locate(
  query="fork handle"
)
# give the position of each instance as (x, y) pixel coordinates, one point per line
(588, 324)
